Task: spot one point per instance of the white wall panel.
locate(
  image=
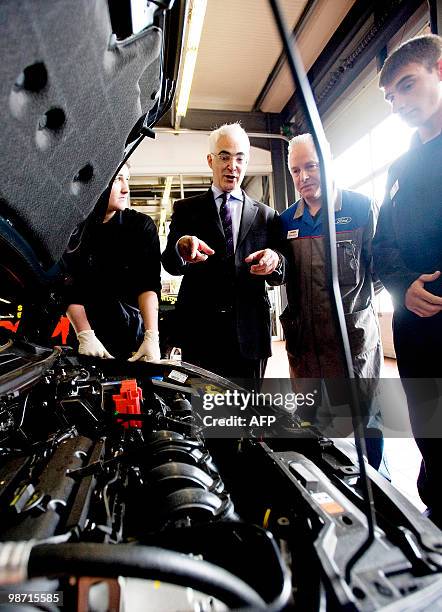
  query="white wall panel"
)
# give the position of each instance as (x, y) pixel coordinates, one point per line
(185, 153)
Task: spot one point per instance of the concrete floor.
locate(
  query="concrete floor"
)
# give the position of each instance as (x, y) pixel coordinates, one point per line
(403, 456)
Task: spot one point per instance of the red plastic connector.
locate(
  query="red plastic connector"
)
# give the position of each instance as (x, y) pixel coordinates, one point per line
(128, 401)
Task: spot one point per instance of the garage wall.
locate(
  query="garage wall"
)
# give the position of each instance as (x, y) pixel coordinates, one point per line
(185, 153)
(363, 105)
(362, 108)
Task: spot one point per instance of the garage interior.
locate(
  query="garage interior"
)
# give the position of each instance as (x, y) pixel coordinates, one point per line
(243, 76)
(121, 469)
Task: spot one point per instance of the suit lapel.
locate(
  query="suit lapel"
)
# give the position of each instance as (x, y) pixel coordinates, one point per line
(249, 211)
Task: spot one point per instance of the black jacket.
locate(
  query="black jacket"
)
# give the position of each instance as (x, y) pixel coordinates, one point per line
(408, 239)
(221, 282)
(119, 260)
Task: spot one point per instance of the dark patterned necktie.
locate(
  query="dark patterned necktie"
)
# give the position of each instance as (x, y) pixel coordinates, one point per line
(225, 214)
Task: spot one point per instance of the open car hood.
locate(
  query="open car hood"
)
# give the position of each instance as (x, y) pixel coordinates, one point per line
(77, 84)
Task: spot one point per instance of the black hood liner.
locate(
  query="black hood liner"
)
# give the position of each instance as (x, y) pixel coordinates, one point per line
(69, 97)
(79, 237)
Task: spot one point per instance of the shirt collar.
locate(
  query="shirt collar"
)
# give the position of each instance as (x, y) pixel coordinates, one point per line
(416, 140)
(301, 205)
(236, 193)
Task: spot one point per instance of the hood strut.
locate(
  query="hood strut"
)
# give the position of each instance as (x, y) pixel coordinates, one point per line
(314, 124)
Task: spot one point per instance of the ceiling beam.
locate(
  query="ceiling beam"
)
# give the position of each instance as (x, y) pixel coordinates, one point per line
(347, 32)
(207, 120)
(300, 24)
(351, 49)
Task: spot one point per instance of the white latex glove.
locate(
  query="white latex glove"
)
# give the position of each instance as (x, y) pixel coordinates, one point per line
(91, 346)
(149, 349)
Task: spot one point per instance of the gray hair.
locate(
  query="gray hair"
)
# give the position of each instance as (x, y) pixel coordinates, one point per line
(305, 139)
(228, 129)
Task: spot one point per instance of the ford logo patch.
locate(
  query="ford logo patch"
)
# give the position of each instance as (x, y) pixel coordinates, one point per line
(342, 220)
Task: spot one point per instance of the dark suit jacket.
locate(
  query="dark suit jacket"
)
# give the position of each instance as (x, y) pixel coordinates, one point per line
(221, 282)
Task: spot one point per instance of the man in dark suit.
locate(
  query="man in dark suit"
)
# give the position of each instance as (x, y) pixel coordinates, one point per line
(221, 242)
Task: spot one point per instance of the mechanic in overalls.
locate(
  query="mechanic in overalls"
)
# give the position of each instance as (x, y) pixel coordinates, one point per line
(113, 303)
(312, 344)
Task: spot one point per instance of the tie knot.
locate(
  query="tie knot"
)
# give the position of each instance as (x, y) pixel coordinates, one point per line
(225, 197)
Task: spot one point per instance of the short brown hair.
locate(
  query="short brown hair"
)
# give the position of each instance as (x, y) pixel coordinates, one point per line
(425, 50)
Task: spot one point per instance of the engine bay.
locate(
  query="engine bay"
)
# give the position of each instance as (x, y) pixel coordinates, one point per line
(105, 472)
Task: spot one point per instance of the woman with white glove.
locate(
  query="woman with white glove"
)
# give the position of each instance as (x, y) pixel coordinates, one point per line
(113, 301)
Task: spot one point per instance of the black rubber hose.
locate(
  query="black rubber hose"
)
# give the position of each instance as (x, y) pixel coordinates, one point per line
(150, 563)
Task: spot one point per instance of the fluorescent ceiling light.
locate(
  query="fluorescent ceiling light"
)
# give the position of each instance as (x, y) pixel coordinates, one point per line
(196, 15)
(166, 194)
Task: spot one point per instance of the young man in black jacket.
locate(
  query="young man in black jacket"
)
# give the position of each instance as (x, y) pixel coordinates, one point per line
(408, 246)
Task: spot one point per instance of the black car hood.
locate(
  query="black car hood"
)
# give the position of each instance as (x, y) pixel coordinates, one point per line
(70, 96)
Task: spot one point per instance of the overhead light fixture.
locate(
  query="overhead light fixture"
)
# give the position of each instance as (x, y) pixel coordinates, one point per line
(166, 193)
(196, 15)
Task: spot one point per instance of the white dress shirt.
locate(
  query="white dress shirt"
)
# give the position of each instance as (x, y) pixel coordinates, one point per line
(235, 199)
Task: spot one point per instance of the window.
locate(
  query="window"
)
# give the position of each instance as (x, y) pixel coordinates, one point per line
(363, 167)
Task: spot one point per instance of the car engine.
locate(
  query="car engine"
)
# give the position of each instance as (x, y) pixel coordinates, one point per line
(106, 473)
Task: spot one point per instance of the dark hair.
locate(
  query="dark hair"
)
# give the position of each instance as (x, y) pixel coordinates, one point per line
(425, 50)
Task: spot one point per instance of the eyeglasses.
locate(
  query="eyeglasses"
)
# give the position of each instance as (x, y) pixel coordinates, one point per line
(240, 158)
(309, 168)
